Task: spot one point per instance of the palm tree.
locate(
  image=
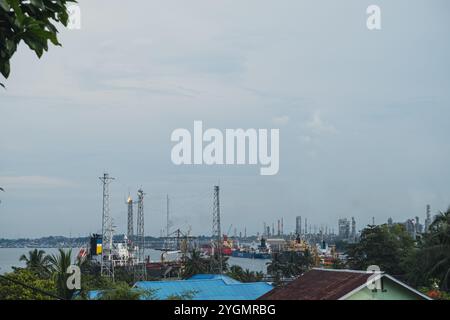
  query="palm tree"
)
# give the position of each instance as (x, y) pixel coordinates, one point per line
(236, 272)
(274, 266)
(289, 264)
(37, 262)
(195, 264)
(437, 249)
(122, 291)
(249, 276)
(59, 265)
(259, 276)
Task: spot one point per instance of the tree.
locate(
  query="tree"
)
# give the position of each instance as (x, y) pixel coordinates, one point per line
(217, 261)
(290, 264)
(338, 264)
(24, 284)
(37, 262)
(195, 264)
(59, 264)
(122, 291)
(238, 273)
(32, 22)
(430, 263)
(384, 246)
(185, 295)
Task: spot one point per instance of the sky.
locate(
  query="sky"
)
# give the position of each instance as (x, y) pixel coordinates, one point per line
(363, 114)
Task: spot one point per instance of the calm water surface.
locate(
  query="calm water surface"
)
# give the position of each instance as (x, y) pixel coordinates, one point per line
(9, 257)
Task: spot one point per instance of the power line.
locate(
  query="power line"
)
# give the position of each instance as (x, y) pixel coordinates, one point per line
(31, 288)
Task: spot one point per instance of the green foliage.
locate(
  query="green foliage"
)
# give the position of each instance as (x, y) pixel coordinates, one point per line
(338, 264)
(290, 264)
(91, 282)
(384, 246)
(58, 265)
(238, 273)
(214, 263)
(124, 274)
(37, 262)
(122, 291)
(14, 291)
(195, 263)
(431, 261)
(32, 22)
(185, 295)
(341, 245)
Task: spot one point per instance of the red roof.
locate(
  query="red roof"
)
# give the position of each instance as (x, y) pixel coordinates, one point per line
(319, 284)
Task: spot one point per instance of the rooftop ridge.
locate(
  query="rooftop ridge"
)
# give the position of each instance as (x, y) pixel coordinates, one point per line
(347, 270)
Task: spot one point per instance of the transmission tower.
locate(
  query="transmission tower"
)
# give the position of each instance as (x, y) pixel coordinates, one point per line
(216, 231)
(140, 271)
(107, 268)
(167, 218)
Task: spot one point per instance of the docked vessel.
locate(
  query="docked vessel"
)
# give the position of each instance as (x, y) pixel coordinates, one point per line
(261, 251)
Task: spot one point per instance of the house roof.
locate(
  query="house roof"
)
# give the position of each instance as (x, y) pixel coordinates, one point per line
(226, 279)
(326, 284)
(318, 284)
(208, 287)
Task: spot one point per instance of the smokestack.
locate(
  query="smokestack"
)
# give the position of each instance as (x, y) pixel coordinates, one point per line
(278, 228)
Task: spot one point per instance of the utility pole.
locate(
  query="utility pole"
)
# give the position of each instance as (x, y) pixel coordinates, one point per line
(107, 267)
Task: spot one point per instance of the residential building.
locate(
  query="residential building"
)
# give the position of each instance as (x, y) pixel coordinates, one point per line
(331, 284)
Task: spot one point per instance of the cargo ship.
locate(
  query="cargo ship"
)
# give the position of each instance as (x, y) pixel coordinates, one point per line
(261, 251)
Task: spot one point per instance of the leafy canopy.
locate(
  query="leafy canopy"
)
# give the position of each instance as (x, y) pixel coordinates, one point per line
(383, 245)
(32, 21)
(10, 290)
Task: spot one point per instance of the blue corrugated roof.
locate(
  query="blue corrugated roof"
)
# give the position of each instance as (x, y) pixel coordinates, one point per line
(208, 287)
(225, 279)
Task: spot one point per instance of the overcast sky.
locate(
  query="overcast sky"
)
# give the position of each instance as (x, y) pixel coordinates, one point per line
(363, 115)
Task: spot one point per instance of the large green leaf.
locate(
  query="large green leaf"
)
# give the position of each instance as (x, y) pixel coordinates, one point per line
(38, 4)
(31, 21)
(5, 69)
(5, 5)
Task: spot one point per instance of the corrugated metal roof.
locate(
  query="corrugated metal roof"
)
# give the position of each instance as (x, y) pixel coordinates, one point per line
(319, 285)
(225, 279)
(208, 287)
